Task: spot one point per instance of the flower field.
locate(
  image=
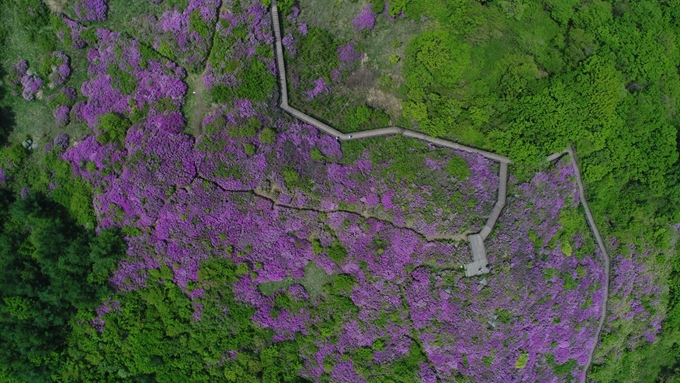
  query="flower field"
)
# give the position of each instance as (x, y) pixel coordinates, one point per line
(270, 251)
(278, 198)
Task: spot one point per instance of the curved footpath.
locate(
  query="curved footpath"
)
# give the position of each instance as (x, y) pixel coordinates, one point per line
(479, 264)
(600, 244)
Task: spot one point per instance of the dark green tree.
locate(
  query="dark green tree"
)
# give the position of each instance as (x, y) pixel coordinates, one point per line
(49, 269)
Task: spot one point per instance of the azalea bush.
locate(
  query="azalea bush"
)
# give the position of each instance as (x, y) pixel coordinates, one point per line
(91, 10)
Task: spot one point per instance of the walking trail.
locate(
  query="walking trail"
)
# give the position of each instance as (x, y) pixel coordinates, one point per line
(600, 245)
(479, 264)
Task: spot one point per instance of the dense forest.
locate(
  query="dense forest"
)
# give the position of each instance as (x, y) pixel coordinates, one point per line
(116, 115)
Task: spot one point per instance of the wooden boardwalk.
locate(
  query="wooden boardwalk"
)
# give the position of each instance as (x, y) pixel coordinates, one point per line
(600, 244)
(479, 264)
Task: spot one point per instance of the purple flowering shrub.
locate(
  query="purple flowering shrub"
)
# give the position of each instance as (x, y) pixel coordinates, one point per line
(279, 202)
(187, 201)
(90, 10)
(314, 71)
(61, 115)
(22, 80)
(243, 35)
(59, 143)
(311, 64)
(636, 306)
(76, 114)
(365, 19)
(357, 185)
(134, 183)
(433, 202)
(132, 178)
(72, 36)
(320, 87)
(222, 150)
(30, 86)
(538, 310)
(184, 36)
(348, 54)
(64, 96)
(455, 319)
(13, 78)
(300, 168)
(123, 82)
(352, 254)
(56, 69)
(61, 102)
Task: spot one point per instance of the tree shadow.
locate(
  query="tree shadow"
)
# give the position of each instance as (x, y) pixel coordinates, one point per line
(7, 115)
(7, 123)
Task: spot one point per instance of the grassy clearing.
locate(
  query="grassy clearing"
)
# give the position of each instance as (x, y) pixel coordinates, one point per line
(126, 15)
(377, 80)
(194, 108)
(334, 16)
(34, 118)
(314, 280)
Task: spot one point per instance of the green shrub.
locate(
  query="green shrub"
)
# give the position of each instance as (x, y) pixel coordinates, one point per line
(291, 177)
(113, 127)
(122, 80)
(522, 360)
(397, 7)
(196, 24)
(13, 154)
(148, 53)
(89, 35)
(344, 283)
(458, 168)
(285, 6)
(563, 369)
(221, 94)
(314, 59)
(436, 58)
(267, 136)
(59, 25)
(337, 252)
(357, 117)
(249, 149)
(166, 50)
(317, 155)
(257, 83)
(569, 282)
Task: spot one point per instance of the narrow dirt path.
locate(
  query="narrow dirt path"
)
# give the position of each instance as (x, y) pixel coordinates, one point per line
(275, 202)
(270, 195)
(196, 100)
(196, 87)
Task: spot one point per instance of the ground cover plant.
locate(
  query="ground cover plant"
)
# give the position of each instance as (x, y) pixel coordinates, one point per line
(163, 220)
